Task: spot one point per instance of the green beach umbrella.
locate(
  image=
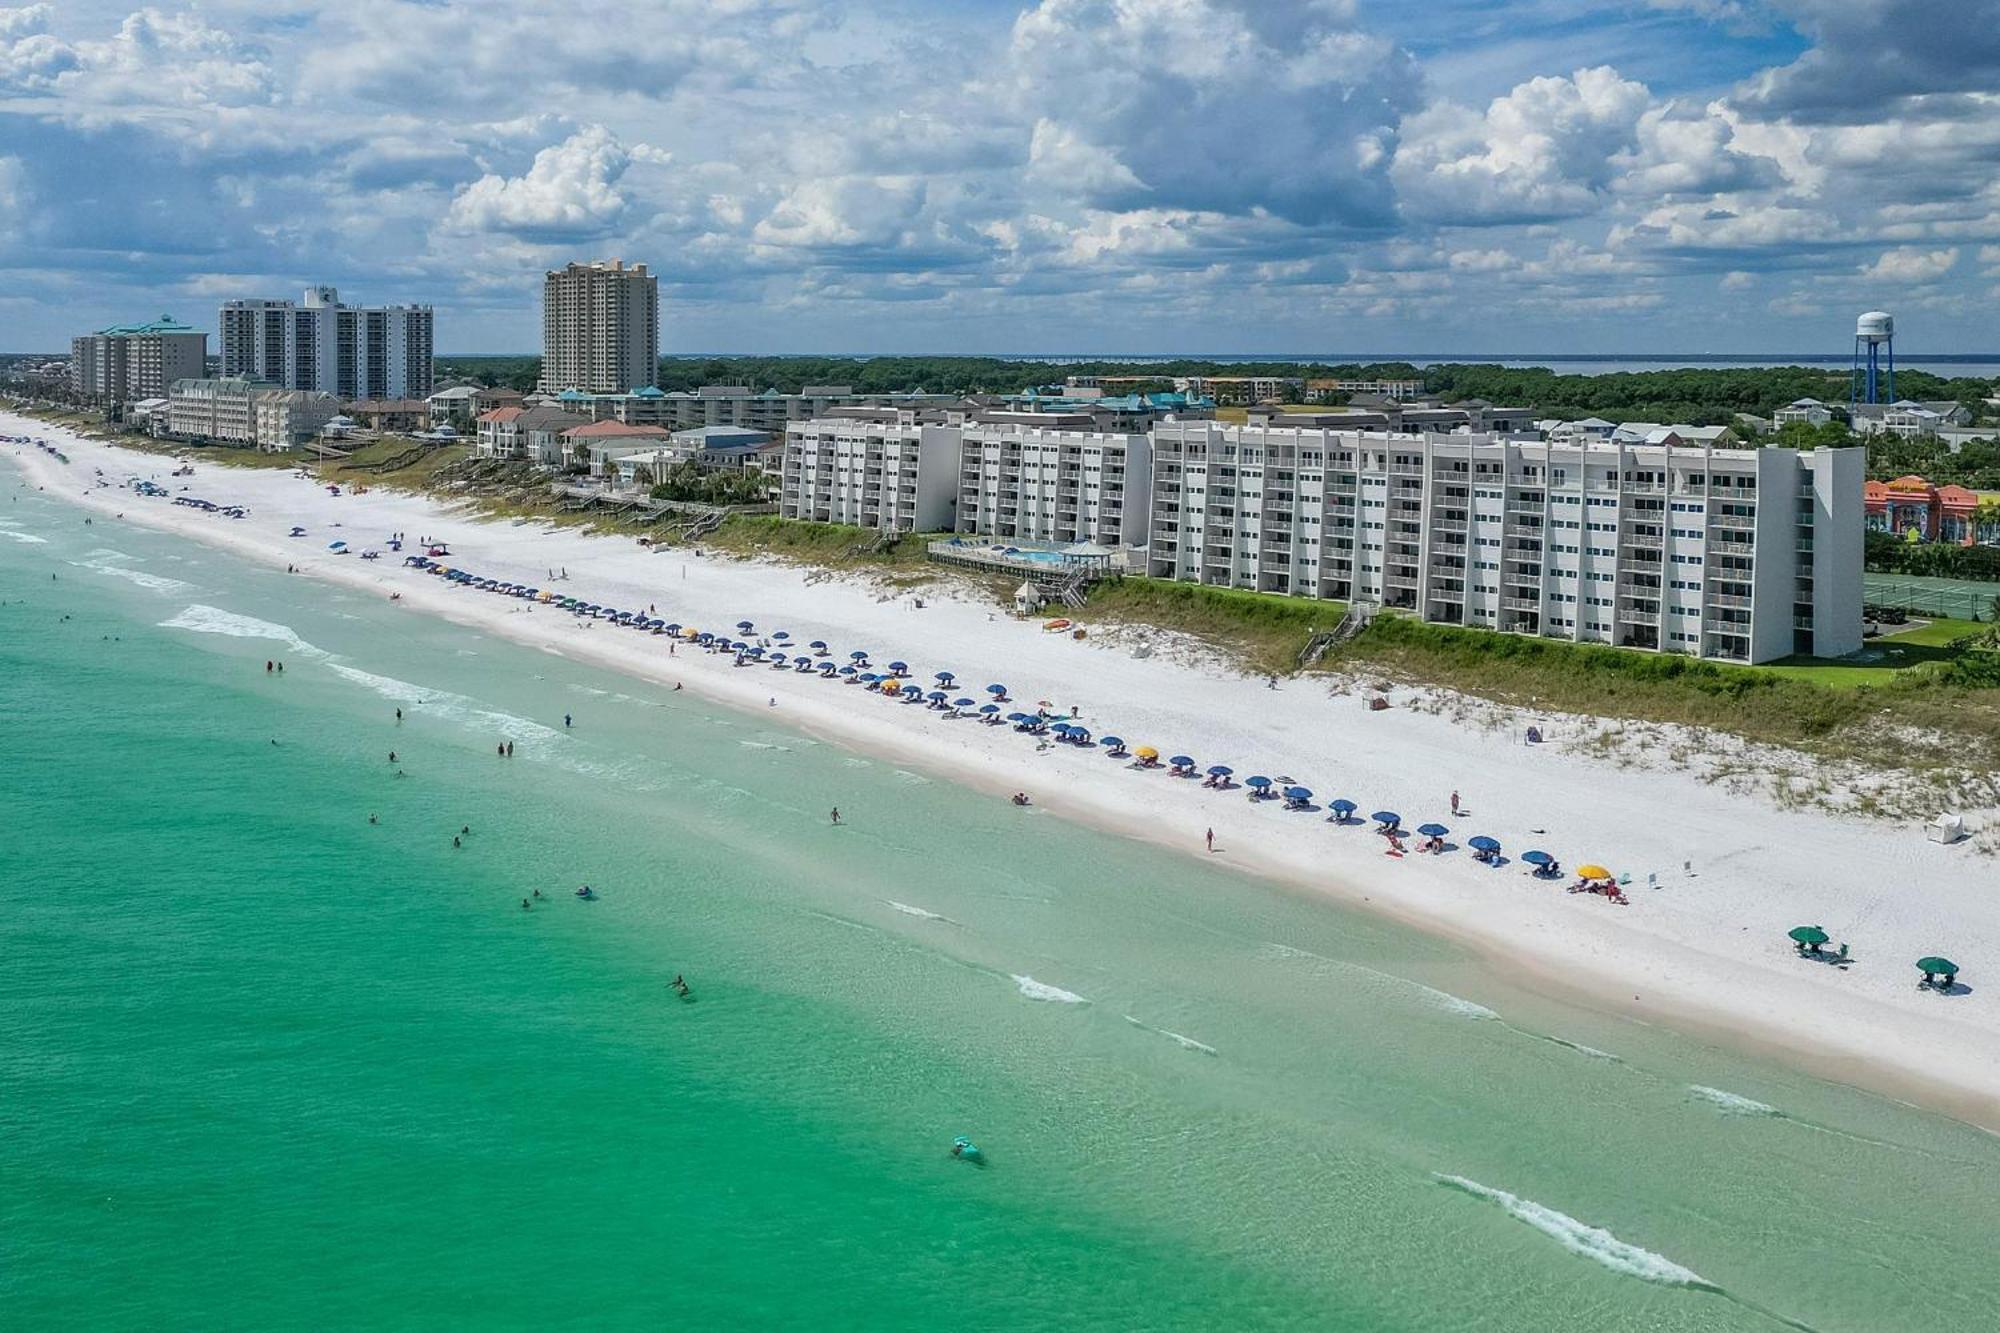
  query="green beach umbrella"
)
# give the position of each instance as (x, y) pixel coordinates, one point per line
(1944, 965)
(1808, 934)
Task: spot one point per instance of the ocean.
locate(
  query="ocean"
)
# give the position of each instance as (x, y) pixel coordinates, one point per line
(275, 1054)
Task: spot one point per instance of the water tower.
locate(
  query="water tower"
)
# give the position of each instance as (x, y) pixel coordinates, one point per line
(1874, 378)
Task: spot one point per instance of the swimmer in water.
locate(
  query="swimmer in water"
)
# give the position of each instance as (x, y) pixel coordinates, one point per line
(371, 819)
(524, 905)
(455, 842)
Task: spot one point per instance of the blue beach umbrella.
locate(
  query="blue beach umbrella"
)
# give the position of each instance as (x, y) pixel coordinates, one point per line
(915, 692)
(1259, 782)
(782, 635)
(848, 670)
(945, 677)
(746, 625)
(1061, 728)
(858, 655)
(935, 694)
(1017, 717)
(1299, 793)
(996, 689)
(961, 703)
(989, 708)
(1182, 761)
(779, 658)
(1111, 742)
(1483, 844)
(1386, 817)
(1432, 830)
(817, 645)
(898, 668)
(1537, 858)
(1220, 771)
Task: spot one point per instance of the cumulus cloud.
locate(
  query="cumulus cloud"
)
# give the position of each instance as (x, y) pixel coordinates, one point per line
(1867, 55)
(31, 57)
(570, 192)
(1216, 105)
(1911, 265)
(1544, 151)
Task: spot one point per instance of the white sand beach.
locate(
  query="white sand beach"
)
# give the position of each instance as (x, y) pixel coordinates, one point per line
(1705, 951)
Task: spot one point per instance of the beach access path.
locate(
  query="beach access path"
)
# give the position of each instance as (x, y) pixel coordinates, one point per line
(1706, 952)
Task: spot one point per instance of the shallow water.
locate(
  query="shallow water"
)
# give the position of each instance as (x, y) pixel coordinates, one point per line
(266, 1063)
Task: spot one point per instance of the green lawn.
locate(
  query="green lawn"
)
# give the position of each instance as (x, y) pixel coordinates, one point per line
(1886, 657)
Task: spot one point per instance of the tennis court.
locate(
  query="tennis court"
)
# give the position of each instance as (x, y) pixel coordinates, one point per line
(1960, 599)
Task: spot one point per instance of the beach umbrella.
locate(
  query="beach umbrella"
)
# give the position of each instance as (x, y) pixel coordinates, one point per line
(1936, 964)
(858, 655)
(1111, 742)
(1147, 752)
(1181, 761)
(1386, 817)
(899, 667)
(848, 670)
(989, 708)
(673, 629)
(935, 694)
(1432, 830)
(1537, 858)
(961, 703)
(782, 634)
(779, 658)
(1260, 781)
(1808, 934)
(746, 625)
(1061, 728)
(1593, 872)
(916, 692)
(818, 645)
(1299, 793)
(946, 677)
(1220, 771)
(1483, 844)
(1017, 717)
(996, 689)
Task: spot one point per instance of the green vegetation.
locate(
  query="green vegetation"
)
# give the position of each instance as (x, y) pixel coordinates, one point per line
(1930, 680)
(1974, 465)
(1886, 553)
(1698, 396)
(1265, 632)
(689, 483)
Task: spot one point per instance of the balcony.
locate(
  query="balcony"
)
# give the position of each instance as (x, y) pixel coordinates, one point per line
(1650, 541)
(1733, 522)
(1734, 628)
(1730, 601)
(1530, 604)
(1731, 546)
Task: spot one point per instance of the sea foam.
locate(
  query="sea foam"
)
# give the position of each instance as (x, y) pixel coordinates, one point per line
(1454, 1004)
(1041, 990)
(444, 704)
(1594, 1243)
(919, 912)
(107, 562)
(1184, 1042)
(214, 620)
(1731, 1103)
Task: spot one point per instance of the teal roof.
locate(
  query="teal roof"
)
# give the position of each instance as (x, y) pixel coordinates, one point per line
(650, 391)
(164, 324)
(572, 396)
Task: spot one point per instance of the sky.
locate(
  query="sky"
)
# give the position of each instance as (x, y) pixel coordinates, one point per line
(1026, 176)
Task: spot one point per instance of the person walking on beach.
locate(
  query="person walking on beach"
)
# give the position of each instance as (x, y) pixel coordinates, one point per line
(1454, 805)
(836, 815)
(1211, 840)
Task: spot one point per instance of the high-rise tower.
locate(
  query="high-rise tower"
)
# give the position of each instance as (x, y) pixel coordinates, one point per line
(600, 328)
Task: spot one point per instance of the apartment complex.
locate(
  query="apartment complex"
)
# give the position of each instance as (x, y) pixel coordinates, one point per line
(1321, 391)
(736, 405)
(896, 470)
(1737, 555)
(352, 352)
(600, 328)
(527, 434)
(234, 410)
(1045, 484)
(127, 362)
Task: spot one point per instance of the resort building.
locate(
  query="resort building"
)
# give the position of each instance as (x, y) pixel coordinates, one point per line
(1934, 513)
(1242, 390)
(234, 410)
(1035, 483)
(1121, 413)
(352, 352)
(598, 444)
(896, 470)
(1735, 554)
(1322, 391)
(600, 327)
(1911, 420)
(127, 362)
(737, 405)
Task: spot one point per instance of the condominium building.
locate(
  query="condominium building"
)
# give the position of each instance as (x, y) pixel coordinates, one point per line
(600, 328)
(353, 352)
(1036, 483)
(1733, 554)
(1241, 390)
(463, 404)
(127, 362)
(874, 468)
(1320, 391)
(737, 405)
(234, 410)
(527, 435)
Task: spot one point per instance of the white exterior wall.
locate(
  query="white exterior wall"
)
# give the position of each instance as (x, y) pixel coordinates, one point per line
(897, 475)
(304, 346)
(1682, 550)
(1030, 483)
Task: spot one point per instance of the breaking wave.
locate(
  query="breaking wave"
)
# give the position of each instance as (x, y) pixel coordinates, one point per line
(1041, 990)
(1593, 1243)
(201, 619)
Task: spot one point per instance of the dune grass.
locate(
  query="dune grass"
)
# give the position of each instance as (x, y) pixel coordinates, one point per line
(1265, 632)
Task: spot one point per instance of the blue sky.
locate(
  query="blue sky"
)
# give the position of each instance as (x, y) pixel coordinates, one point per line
(1230, 176)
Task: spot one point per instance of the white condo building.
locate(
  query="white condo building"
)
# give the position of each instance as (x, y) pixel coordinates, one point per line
(352, 352)
(132, 361)
(600, 328)
(1043, 484)
(1741, 555)
(873, 468)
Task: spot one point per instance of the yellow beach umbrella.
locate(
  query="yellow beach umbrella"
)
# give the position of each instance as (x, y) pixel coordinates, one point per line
(690, 633)
(1593, 872)
(1147, 752)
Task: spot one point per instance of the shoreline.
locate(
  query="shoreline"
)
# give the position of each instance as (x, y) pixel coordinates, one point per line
(1672, 960)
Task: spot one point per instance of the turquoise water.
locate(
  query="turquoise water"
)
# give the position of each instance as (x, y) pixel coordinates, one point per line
(264, 1064)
